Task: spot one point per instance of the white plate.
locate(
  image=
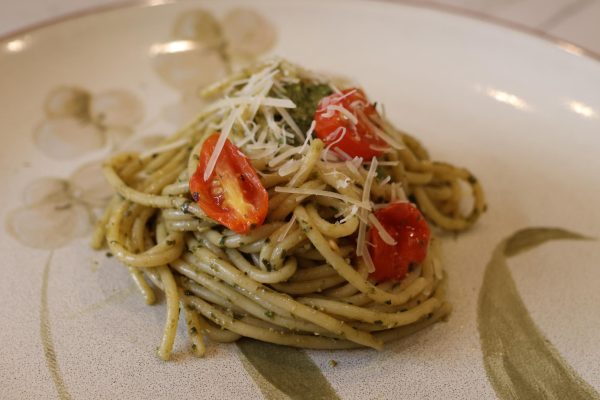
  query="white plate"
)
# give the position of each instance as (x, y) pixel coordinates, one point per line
(520, 112)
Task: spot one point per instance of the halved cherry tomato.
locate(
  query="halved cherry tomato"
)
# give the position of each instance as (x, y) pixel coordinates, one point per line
(405, 223)
(359, 139)
(233, 194)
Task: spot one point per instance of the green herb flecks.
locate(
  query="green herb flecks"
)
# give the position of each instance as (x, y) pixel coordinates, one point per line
(270, 314)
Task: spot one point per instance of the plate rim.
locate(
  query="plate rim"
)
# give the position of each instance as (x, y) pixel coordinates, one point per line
(555, 41)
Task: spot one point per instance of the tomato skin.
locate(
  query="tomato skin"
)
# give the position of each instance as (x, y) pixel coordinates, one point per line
(405, 223)
(359, 140)
(233, 194)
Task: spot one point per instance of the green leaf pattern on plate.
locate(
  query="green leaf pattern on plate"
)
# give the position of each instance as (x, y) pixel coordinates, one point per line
(520, 361)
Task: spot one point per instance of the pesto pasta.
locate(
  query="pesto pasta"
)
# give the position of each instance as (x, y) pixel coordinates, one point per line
(291, 250)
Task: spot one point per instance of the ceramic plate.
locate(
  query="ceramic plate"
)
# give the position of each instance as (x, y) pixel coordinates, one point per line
(519, 111)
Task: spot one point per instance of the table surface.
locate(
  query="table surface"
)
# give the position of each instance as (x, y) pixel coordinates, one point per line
(574, 21)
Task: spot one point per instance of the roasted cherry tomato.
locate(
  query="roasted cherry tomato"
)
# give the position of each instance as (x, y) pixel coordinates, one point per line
(405, 223)
(233, 194)
(354, 136)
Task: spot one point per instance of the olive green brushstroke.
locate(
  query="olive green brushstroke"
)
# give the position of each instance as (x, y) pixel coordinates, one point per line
(288, 369)
(266, 388)
(46, 336)
(520, 362)
(527, 239)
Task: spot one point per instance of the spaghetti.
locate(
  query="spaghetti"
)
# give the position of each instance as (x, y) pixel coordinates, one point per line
(307, 273)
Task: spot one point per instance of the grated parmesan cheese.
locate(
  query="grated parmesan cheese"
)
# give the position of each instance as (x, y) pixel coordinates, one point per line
(250, 135)
(287, 228)
(385, 180)
(366, 195)
(291, 123)
(353, 211)
(324, 193)
(287, 153)
(342, 183)
(400, 193)
(341, 131)
(212, 161)
(384, 163)
(334, 88)
(366, 256)
(350, 165)
(253, 95)
(229, 102)
(342, 154)
(329, 101)
(164, 148)
(385, 236)
(379, 132)
(289, 167)
(267, 150)
(331, 109)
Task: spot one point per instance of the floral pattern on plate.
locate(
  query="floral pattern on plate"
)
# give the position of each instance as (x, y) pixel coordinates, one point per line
(56, 211)
(77, 121)
(202, 50)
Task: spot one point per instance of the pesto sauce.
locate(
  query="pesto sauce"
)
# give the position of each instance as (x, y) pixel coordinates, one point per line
(306, 96)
